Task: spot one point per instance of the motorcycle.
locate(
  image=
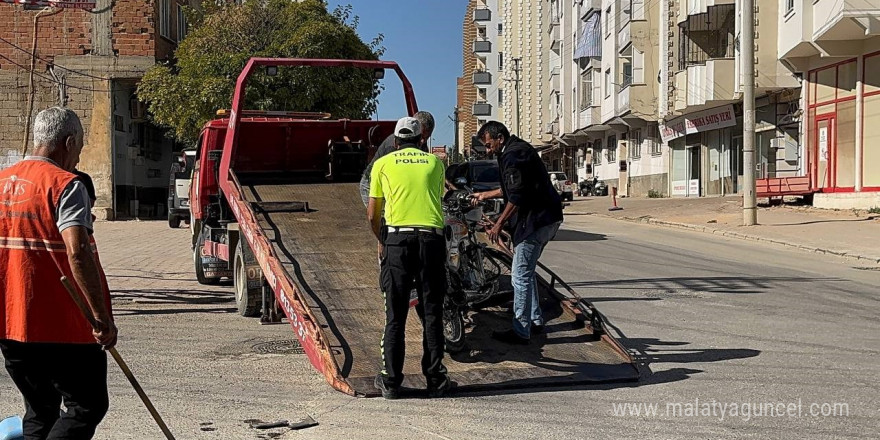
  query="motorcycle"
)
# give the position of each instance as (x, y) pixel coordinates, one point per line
(593, 187)
(474, 269)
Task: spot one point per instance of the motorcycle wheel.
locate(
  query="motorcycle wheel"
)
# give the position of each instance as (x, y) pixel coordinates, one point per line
(453, 327)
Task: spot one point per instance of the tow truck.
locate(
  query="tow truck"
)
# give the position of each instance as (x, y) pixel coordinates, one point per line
(276, 208)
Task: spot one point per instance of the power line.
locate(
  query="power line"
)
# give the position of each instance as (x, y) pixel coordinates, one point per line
(50, 62)
(50, 79)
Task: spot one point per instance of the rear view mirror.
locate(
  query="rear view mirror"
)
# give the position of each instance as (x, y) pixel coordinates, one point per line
(461, 181)
(379, 74)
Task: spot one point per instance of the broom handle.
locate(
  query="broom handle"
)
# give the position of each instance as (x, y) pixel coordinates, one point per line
(118, 358)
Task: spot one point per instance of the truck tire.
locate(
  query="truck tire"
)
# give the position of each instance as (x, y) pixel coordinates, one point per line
(173, 221)
(197, 261)
(248, 300)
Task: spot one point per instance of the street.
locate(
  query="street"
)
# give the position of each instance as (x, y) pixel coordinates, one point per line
(712, 321)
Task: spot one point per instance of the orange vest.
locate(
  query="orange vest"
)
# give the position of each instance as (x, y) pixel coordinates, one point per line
(33, 257)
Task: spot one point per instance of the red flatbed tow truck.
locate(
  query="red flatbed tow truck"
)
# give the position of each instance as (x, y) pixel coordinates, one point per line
(276, 207)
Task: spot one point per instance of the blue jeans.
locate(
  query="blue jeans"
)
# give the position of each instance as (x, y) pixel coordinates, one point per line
(526, 302)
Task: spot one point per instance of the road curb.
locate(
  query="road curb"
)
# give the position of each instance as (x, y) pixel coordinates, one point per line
(738, 235)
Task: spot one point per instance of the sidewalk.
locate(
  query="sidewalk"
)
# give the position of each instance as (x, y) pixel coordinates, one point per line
(842, 233)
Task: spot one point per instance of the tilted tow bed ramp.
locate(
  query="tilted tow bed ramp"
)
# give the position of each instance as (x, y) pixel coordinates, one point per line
(321, 239)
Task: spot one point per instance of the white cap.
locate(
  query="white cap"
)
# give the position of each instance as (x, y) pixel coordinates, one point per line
(408, 128)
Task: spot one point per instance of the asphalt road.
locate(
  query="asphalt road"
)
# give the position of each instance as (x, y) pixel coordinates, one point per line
(713, 322)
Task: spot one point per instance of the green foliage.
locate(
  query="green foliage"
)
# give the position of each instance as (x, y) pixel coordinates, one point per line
(186, 93)
(652, 194)
(874, 210)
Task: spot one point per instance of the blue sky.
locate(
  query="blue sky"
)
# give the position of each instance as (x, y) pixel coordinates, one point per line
(424, 37)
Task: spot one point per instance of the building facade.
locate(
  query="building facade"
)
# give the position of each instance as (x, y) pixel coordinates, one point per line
(834, 46)
(481, 88)
(702, 107)
(91, 61)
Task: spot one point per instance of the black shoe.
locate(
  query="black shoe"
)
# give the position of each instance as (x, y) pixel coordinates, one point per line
(510, 337)
(440, 390)
(388, 392)
(537, 329)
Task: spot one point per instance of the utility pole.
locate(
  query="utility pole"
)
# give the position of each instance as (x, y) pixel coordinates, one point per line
(455, 148)
(516, 70)
(750, 202)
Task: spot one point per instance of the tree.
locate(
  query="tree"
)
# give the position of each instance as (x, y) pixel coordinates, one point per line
(185, 93)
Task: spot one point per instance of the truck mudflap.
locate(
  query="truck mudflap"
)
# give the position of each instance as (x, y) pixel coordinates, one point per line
(321, 264)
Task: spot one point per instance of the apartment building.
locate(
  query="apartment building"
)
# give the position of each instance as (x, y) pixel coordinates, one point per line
(482, 88)
(525, 52)
(834, 46)
(701, 107)
(614, 94)
(91, 61)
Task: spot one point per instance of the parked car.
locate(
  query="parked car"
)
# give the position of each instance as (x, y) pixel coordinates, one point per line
(593, 187)
(481, 175)
(178, 188)
(562, 184)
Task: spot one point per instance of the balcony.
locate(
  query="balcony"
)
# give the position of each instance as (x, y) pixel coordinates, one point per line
(482, 109)
(705, 85)
(552, 128)
(555, 38)
(624, 36)
(589, 116)
(697, 7)
(588, 6)
(482, 78)
(482, 46)
(555, 79)
(838, 21)
(483, 14)
(623, 100)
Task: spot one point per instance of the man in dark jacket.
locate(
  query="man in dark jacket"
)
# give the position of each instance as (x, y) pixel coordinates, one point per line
(534, 210)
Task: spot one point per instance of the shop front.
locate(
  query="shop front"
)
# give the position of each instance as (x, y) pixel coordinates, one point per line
(706, 152)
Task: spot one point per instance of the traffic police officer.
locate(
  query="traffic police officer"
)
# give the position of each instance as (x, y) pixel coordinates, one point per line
(408, 184)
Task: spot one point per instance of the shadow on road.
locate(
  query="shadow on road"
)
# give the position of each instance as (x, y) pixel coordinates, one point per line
(165, 297)
(571, 235)
(730, 284)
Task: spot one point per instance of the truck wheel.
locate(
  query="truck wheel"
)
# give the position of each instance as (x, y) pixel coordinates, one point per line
(173, 221)
(197, 260)
(248, 300)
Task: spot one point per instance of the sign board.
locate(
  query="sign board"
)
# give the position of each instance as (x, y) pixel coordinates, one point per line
(440, 152)
(686, 188)
(75, 4)
(706, 120)
(823, 144)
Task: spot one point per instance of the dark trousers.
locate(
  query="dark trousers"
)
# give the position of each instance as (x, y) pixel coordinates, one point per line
(46, 374)
(413, 259)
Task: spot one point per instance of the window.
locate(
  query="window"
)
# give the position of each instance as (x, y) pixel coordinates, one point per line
(500, 28)
(656, 146)
(500, 61)
(165, 18)
(608, 83)
(635, 144)
(626, 70)
(608, 22)
(481, 94)
(586, 89)
(611, 151)
(789, 6)
(596, 156)
(500, 97)
(181, 23)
